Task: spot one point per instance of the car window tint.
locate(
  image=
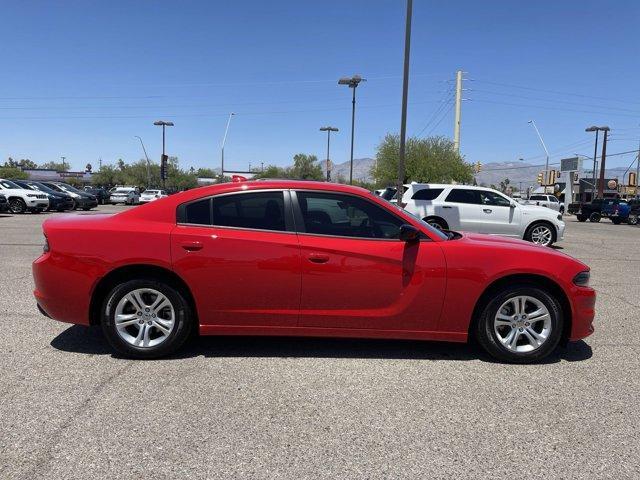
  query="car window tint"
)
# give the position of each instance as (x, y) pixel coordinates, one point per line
(427, 194)
(488, 197)
(537, 197)
(198, 212)
(346, 216)
(262, 211)
(463, 195)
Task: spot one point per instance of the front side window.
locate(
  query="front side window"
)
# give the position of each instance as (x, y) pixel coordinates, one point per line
(537, 197)
(8, 184)
(487, 197)
(463, 195)
(261, 211)
(346, 216)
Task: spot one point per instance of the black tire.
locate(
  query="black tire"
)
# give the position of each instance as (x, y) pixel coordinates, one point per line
(595, 217)
(633, 220)
(437, 222)
(488, 339)
(616, 221)
(528, 235)
(17, 205)
(180, 332)
(581, 218)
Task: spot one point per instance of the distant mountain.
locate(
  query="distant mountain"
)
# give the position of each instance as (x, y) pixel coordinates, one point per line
(361, 169)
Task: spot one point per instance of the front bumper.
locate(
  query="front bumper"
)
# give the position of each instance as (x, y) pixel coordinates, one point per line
(560, 226)
(37, 203)
(583, 302)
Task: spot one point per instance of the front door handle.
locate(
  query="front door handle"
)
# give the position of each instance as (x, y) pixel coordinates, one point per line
(318, 258)
(446, 206)
(487, 210)
(191, 246)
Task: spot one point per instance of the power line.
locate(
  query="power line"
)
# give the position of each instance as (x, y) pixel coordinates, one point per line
(560, 109)
(447, 98)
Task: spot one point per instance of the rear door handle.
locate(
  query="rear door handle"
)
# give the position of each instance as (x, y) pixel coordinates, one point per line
(318, 258)
(487, 210)
(191, 246)
(446, 206)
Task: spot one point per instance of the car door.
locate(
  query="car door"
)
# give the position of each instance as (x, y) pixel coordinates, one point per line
(356, 274)
(239, 254)
(499, 216)
(463, 211)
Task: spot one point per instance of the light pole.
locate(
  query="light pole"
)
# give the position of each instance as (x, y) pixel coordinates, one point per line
(64, 166)
(353, 83)
(148, 163)
(328, 129)
(163, 165)
(224, 140)
(546, 167)
(405, 95)
(605, 129)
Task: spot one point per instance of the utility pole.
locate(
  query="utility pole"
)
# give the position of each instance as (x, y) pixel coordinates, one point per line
(148, 162)
(64, 165)
(224, 139)
(602, 162)
(405, 96)
(456, 125)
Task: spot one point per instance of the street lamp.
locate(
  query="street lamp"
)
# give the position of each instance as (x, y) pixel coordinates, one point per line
(163, 124)
(605, 129)
(148, 163)
(224, 140)
(328, 130)
(546, 167)
(352, 82)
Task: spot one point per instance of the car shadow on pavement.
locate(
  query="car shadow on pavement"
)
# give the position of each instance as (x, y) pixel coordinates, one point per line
(90, 341)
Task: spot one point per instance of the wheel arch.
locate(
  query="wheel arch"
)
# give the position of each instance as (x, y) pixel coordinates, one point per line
(539, 281)
(129, 272)
(436, 217)
(536, 222)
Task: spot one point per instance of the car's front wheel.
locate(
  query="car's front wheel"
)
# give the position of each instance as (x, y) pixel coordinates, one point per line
(521, 324)
(541, 233)
(633, 220)
(146, 318)
(17, 205)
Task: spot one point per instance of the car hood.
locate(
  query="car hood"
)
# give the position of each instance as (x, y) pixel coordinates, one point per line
(538, 210)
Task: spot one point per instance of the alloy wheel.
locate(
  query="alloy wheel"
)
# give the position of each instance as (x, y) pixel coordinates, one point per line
(542, 235)
(144, 318)
(522, 324)
(17, 206)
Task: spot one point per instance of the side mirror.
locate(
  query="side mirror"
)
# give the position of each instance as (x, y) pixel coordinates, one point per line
(512, 205)
(408, 233)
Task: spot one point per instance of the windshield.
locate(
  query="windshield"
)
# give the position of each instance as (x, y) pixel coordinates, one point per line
(9, 184)
(69, 188)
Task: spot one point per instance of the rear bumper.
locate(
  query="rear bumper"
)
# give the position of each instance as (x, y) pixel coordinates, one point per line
(583, 301)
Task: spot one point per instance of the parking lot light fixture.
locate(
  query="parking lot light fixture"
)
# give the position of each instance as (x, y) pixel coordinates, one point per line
(352, 82)
(163, 124)
(328, 130)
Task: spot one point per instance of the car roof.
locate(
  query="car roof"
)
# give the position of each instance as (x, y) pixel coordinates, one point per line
(448, 185)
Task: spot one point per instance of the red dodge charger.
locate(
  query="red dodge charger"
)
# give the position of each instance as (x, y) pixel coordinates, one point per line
(307, 259)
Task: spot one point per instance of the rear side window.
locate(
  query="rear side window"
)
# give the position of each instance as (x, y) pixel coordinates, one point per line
(463, 195)
(537, 197)
(261, 211)
(198, 212)
(427, 194)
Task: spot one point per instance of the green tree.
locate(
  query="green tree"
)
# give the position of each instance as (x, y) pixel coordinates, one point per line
(273, 171)
(206, 173)
(13, 173)
(306, 167)
(427, 160)
(57, 166)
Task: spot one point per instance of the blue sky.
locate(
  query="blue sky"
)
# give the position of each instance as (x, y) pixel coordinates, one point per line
(80, 79)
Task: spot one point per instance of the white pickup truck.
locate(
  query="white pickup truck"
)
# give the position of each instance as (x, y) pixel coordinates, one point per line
(549, 201)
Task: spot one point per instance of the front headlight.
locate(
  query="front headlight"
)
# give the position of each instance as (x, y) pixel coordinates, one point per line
(582, 279)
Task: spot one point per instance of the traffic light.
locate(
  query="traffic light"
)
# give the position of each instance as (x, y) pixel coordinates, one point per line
(541, 178)
(552, 177)
(632, 179)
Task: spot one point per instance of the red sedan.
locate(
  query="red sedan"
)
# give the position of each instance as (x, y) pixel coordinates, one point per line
(305, 259)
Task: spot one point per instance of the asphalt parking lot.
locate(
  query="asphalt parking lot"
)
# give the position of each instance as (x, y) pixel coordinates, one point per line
(318, 408)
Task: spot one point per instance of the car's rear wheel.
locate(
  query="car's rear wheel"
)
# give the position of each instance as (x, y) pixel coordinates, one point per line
(541, 233)
(522, 324)
(17, 205)
(146, 319)
(595, 217)
(581, 218)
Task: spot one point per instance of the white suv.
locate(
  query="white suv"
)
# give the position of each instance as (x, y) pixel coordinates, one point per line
(22, 200)
(482, 210)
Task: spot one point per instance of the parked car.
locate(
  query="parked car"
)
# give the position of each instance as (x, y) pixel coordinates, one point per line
(304, 258)
(549, 201)
(482, 210)
(634, 212)
(57, 200)
(151, 195)
(81, 199)
(101, 194)
(125, 195)
(22, 200)
(617, 210)
(4, 204)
